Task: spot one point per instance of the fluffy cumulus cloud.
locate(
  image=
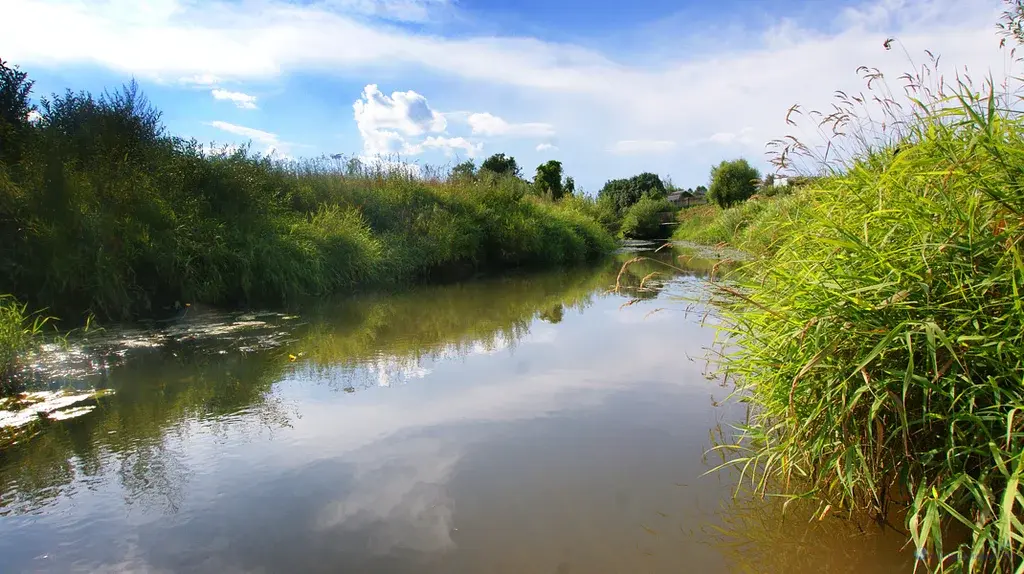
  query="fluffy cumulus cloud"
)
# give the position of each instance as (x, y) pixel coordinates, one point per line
(546, 147)
(241, 100)
(624, 104)
(486, 124)
(405, 112)
(394, 125)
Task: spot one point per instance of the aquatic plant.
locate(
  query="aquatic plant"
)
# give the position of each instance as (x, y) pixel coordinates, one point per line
(19, 330)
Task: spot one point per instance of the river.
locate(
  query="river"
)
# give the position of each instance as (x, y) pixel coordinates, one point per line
(531, 423)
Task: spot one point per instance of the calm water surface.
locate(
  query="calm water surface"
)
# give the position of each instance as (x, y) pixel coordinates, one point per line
(526, 424)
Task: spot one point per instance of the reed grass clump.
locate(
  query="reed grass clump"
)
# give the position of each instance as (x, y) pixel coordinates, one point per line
(881, 343)
(19, 331)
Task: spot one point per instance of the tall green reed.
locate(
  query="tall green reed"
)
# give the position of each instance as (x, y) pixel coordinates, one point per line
(881, 343)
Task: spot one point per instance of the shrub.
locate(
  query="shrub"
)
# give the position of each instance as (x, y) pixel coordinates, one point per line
(643, 219)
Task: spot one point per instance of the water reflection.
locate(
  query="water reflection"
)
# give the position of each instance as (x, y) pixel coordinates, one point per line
(536, 423)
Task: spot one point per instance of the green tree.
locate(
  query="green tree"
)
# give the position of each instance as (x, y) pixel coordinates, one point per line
(501, 164)
(700, 190)
(548, 180)
(569, 188)
(464, 170)
(733, 182)
(14, 110)
(625, 192)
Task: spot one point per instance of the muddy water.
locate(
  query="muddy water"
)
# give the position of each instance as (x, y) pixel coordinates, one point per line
(526, 424)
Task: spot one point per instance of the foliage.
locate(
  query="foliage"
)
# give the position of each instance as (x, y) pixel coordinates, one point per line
(643, 219)
(501, 164)
(570, 186)
(881, 340)
(104, 213)
(752, 226)
(19, 330)
(732, 182)
(622, 193)
(15, 107)
(464, 169)
(548, 181)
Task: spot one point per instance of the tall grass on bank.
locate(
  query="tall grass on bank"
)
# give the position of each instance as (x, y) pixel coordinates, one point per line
(19, 330)
(754, 226)
(882, 342)
(102, 212)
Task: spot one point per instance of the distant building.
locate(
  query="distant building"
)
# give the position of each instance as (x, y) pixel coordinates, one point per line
(686, 199)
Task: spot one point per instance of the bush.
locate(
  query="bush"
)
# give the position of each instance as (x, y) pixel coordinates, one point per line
(644, 219)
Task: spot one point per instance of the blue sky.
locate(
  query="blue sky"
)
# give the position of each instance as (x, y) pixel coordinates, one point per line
(610, 88)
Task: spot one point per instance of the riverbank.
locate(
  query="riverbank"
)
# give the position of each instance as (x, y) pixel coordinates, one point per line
(879, 334)
(104, 214)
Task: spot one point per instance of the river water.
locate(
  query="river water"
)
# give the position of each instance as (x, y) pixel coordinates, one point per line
(535, 423)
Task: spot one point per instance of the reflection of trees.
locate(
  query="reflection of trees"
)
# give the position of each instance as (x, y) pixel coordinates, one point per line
(131, 432)
(553, 315)
(645, 275)
(219, 376)
(212, 373)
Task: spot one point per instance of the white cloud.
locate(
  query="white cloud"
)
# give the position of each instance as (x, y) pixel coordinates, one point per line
(395, 10)
(241, 100)
(486, 124)
(547, 147)
(744, 136)
(407, 112)
(34, 116)
(387, 123)
(270, 142)
(629, 147)
(200, 80)
(664, 96)
(451, 146)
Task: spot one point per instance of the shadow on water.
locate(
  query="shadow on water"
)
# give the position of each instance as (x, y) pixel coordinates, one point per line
(531, 423)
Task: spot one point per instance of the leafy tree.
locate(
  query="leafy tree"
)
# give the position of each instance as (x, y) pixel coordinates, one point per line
(700, 190)
(14, 110)
(501, 164)
(643, 218)
(569, 188)
(464, 169)
(625, 192)
(548, 181)
(733, 182)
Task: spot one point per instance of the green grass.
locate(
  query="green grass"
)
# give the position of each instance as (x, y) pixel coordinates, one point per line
(754, 226)
(102, 213)
(880, 339)
(19, 331)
